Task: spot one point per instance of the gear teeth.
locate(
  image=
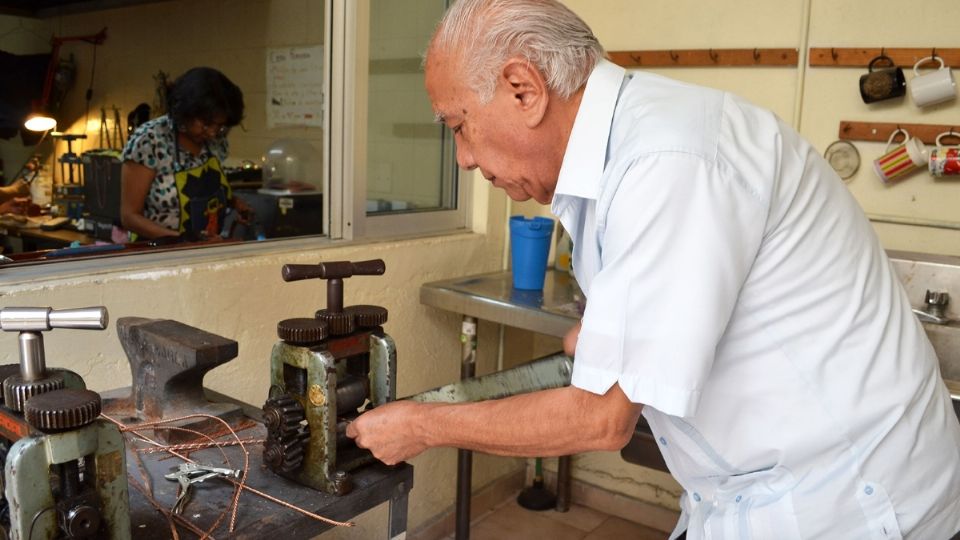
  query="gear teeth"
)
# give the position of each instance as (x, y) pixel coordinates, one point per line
(341, 323)
(368, 316)
(17, 391)
(302, 331)
(287, 438)
(61, 410)
(282, 415)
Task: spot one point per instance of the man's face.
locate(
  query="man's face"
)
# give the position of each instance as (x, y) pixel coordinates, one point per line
(492, 137)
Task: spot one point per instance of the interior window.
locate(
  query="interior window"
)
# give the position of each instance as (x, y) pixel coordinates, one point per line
(295, 160)
(409, 158)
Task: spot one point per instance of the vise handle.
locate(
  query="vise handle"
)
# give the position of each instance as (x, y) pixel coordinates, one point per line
(41, 319)
(333, 270)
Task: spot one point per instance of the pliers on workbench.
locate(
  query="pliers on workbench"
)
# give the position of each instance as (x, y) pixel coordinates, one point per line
(188, 474)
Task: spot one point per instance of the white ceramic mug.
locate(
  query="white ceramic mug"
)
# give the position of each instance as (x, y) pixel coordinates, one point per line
(934, 87)
(945, 160)
(901, 161)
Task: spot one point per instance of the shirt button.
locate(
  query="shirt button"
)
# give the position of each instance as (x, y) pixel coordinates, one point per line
(696, 497)
(663, 441)
(868, 490)
(738, 498)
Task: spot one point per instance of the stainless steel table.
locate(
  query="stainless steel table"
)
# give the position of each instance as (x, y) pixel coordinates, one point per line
(491, 297)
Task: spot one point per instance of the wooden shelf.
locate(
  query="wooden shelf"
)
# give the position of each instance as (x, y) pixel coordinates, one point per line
(705, 58)
(861, 57)
(881, 131)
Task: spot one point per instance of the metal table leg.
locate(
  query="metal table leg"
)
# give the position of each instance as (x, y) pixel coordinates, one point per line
(563, 484)
(468, 364)
(397, 528)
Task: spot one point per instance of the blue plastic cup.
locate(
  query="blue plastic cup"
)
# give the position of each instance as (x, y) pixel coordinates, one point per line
(529, 248)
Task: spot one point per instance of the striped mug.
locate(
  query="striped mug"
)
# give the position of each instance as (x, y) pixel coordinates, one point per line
(945, 160)
(902, 160)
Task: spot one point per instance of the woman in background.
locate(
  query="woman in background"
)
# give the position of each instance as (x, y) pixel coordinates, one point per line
(172, 180)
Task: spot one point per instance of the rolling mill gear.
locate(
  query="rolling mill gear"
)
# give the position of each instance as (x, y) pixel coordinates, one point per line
(322, 372)
(65, 471)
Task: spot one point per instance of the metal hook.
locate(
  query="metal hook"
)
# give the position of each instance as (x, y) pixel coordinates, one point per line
(756, 55)
(674, 56)
(883, 51)
(933, 54)
(833, 53)
(713, 56)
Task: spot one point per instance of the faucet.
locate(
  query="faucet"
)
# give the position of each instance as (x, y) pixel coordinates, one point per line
(935, 302)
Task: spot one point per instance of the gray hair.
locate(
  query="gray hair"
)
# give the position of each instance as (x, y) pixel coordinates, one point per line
(486, 33)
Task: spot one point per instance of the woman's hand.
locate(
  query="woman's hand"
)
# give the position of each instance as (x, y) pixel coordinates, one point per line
(244, 211)
(17, 205)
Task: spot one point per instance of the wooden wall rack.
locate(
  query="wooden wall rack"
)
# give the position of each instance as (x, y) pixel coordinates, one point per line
(860, 57)
(881, 131)
(705, 58)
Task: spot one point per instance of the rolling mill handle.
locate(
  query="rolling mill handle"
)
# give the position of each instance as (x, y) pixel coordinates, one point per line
(334, 273)
(30, 321)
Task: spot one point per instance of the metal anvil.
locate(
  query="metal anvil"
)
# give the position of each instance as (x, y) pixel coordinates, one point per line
(168, 360)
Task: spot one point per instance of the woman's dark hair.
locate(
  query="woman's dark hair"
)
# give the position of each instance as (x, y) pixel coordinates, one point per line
(204, 94)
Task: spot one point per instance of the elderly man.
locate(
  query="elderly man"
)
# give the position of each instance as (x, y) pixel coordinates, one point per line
(737, 295)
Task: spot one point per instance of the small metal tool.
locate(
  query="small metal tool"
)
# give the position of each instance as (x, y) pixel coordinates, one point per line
(188, 474)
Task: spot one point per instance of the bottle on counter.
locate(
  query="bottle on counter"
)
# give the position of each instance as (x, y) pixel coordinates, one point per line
(562, 259)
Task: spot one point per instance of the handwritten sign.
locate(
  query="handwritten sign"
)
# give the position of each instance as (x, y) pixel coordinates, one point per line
(295, 86)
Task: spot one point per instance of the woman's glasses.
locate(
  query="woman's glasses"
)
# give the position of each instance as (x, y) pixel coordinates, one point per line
(217, 130)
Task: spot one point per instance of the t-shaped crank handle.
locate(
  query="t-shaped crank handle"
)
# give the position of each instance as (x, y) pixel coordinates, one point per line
(334, 273)
(30, 321)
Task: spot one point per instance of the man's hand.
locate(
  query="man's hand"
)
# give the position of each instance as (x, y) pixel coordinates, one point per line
(390, 431)
(16, 189)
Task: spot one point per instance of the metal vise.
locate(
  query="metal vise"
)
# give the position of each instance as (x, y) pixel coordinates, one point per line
(65, 474)
(322, 372)
(168, 360)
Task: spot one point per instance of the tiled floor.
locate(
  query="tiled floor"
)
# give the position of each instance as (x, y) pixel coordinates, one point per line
(509, 521)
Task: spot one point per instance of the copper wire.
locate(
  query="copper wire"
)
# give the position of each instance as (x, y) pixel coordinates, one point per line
(240, 485)
(128, 429)
(194, 446)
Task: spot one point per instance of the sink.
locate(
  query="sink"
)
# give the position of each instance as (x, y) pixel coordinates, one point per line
(946, 341)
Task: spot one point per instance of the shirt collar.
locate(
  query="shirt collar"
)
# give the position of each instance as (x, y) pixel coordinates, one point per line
(586, 151)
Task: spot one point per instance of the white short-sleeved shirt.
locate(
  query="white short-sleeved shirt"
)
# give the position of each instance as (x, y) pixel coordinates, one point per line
(735, 288)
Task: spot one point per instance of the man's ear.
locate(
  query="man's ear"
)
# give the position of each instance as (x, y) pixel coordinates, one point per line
(527, 90)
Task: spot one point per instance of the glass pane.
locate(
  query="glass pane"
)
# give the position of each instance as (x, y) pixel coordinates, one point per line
(273, 51)
(410, 159)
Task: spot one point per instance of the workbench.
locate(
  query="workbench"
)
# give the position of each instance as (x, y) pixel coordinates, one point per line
(491, 297)
(257, 517)
(552, 311)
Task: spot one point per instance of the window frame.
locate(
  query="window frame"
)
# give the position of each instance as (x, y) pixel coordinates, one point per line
(344, 123)
(350, 36)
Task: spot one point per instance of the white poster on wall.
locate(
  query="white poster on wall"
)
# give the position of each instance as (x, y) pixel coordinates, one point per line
(295, 86)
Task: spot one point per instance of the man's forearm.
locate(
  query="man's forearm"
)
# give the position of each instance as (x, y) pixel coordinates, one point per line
(548, 423)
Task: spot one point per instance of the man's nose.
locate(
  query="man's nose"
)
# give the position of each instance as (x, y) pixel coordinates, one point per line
(465, 158)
